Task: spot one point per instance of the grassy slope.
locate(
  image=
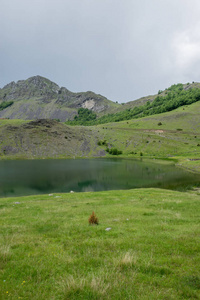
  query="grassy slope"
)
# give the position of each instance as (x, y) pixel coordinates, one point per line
(178, 136)
(143, 100)
(48, 250)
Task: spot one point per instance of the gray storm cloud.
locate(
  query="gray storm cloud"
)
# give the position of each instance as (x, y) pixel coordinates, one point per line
(121, 49)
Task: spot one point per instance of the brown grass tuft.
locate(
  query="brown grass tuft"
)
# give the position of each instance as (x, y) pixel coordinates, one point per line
(93, 220)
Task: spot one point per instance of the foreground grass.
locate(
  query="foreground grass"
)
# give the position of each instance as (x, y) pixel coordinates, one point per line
(48, 250)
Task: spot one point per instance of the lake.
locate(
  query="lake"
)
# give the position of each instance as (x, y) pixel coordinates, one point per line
(29, 177)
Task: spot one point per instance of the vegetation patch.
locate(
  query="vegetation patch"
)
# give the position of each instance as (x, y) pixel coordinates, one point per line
(5, 104)
(113, 151)
(84, 115)
(102, 143)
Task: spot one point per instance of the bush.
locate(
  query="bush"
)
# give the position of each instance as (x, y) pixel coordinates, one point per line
(93, 220)
(102, 143)
(114, 151)
(159, 123)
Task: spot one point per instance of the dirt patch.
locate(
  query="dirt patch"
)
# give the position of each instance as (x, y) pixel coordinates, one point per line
(42, 122)
(159, 131)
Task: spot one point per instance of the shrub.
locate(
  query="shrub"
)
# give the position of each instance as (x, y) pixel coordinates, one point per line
(104, 143)
(114, 151)
(159, 123)
(93, 220)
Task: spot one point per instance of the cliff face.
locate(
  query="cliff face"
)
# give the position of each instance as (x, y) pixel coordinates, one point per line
(38, 97)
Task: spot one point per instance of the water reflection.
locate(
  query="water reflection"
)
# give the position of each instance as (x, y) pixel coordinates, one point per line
(47, 176)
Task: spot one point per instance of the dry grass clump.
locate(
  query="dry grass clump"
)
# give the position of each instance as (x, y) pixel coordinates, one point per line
(127, 260)
(93, 220)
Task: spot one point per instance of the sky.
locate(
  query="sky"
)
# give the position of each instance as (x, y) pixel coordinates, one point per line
(121, 49)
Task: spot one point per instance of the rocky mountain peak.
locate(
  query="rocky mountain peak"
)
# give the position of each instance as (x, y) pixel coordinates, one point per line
(38, 98)
(36, 86)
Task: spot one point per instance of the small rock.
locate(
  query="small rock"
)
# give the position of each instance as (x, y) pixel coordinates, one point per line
(71, 192)
(107, 229)
(50, 194)
(17, 202)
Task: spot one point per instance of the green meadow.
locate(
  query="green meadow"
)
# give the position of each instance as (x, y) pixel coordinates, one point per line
(48, 250)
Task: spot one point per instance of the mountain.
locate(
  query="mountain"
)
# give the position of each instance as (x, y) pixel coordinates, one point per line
(38, 98)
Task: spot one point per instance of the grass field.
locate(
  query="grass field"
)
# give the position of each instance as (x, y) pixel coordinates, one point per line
(152, 251)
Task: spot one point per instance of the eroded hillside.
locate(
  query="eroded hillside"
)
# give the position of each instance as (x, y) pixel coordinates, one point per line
(48, 138)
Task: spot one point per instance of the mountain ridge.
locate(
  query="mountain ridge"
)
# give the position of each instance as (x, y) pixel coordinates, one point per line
(38, 97)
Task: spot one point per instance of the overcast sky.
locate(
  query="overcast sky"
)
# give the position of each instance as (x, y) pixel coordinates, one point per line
(122, 49)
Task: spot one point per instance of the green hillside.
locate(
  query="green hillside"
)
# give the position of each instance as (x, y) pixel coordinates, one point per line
(166, 135)
(174, 97)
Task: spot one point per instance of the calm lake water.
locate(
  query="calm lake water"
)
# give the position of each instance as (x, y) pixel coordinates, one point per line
(28, 177)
